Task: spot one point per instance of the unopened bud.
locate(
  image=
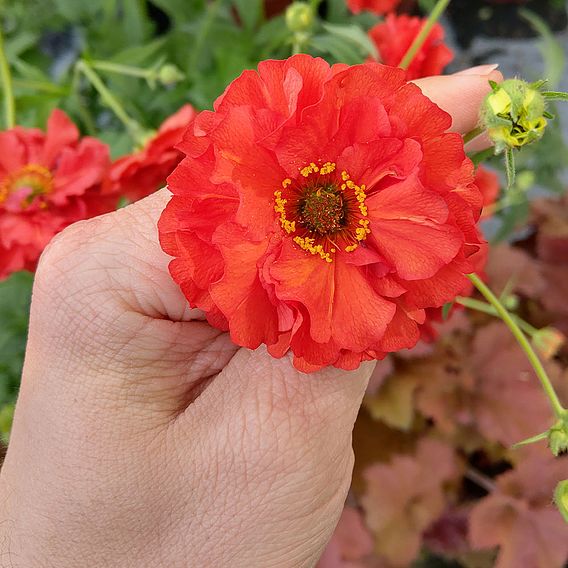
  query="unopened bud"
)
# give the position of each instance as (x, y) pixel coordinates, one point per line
(548, 341)
(558, 436)
(514, 114)
(169, 75)
(299, 17)
(561, 498)
(511, 302)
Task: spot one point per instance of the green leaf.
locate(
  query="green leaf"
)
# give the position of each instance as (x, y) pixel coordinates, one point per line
(551, 49)
(354, 35)
(340, 51)
(135, 21)
(76, 11)
(446, 310)
(250, 12)
(555, 95)
(15, 296)
(139, 55)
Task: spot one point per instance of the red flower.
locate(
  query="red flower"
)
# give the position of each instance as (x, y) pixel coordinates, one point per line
(489, 185)
(137, 175)
(321, 210)
(377, 6)
(47, 181)
(395, 35)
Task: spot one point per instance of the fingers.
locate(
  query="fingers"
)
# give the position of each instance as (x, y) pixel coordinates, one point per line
(461, 94)
(253, 384)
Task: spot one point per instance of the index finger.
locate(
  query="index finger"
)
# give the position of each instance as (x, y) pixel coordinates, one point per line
(459, 95)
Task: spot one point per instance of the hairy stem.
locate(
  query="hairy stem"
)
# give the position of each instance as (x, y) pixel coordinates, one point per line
(472, 134)
(419, 40)
(510, 322)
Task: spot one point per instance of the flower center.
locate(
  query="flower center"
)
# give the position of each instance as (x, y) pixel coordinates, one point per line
(323, 211)
(26, 184)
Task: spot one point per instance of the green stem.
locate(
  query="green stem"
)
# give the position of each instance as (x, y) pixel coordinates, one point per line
(82, 109)
(479, 306)
(6, 77)
(296, 44)
(472, 134)
(509, 321)
(111, 101)
(419, 40)
(40, 86)
(479, 157)
(120, 69)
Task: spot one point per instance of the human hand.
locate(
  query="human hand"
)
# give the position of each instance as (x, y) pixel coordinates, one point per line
(144, 438)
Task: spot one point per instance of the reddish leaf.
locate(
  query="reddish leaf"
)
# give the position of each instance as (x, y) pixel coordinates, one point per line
(520, 518)
(405, 496)
(508, 265)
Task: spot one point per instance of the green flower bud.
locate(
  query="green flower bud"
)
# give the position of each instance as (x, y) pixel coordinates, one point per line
(169, 75)
(514, 114)
(511, 302)
(558, 436)
(299, 17)
(561, 498)
(548, 341)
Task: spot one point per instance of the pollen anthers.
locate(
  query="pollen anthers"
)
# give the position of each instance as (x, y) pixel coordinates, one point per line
(324, 212)
(33, 176)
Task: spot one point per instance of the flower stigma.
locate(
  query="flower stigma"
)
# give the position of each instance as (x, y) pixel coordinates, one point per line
(323, 210)
(26, 184)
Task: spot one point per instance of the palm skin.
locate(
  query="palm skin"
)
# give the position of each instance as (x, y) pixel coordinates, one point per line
(144, 438)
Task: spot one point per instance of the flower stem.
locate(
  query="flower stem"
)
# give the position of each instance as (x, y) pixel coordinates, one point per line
(111, 101)
(509, 321)
(419, 40)
(472, 134)
(6, 77)
(120, 69)
(478, 306)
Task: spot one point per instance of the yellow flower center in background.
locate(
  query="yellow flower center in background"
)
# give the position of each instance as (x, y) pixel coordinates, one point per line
(34, 177)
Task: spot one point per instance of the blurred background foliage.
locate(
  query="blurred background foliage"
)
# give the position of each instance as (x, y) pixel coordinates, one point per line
(154, 56)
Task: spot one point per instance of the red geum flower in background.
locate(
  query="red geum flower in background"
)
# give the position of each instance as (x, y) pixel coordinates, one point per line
(139, 174)
(379, 7)
(395, 35)
(47, 181)
(322, 210)
(488, 183)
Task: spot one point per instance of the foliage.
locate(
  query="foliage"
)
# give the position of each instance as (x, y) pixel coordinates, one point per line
(435, 473)
(436, 482)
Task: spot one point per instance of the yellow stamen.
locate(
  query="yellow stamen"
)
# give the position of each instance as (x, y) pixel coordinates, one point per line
(308, 244)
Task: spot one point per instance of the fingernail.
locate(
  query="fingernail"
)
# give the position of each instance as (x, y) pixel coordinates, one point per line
(479, 70)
